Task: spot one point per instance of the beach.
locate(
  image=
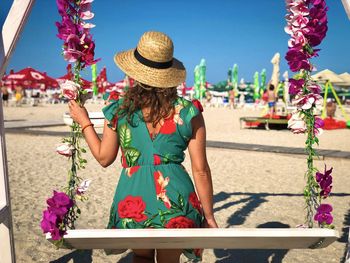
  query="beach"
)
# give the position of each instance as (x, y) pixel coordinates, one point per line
(251, 189)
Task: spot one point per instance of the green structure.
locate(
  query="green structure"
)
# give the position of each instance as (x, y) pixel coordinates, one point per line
(94, 77)
(256, 94)
(200, 80)
(263, 82)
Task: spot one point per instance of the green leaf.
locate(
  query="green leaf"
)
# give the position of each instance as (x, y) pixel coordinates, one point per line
(131, 156)
(125, 135)
(83, 150)
(191, 112)
(180, 200)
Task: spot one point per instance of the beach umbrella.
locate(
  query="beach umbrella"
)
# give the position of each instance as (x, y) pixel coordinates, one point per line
(346, 79)
(30, 78)
(327, 75)
(275, 71)
(256, 94)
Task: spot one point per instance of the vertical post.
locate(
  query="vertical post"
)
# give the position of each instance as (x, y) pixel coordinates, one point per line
(7, 248)
(11, 30)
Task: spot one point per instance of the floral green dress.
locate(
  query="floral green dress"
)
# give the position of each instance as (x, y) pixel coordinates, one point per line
(154, 189)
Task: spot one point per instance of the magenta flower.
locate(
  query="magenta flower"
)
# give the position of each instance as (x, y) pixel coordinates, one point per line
(297, 59)
(53, 218)
(323, 214)
(325, 181)
(66, 28)
(318, 125)
(295, 86)
(59, 204)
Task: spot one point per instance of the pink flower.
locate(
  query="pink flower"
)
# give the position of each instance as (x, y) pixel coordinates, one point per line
(318, 125)
(65, 149)
(299, 21)
(83, 187)
(296, 123)
(308, 101)
(298, 39)
(314, 88)
(299, 9)
(70, 89)
(88, 25)
(87, 15)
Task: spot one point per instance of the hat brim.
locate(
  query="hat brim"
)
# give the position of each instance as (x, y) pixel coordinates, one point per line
(160, 78)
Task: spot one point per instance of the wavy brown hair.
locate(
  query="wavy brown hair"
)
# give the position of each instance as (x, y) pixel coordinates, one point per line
(160, 101)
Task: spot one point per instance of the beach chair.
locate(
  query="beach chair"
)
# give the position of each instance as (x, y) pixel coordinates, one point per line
(261, 120)
(230, 238)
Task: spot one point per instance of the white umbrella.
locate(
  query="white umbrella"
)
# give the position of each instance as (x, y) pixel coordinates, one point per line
(327, 75)
(346, 78)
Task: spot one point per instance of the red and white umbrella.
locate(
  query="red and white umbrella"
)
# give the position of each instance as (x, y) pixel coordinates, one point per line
(29, 78)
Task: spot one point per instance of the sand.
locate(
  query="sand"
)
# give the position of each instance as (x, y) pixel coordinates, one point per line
(252, 189)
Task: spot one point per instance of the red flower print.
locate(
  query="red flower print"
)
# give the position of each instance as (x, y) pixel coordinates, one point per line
(198, 252)
(124, 164)
(168, 126)
(156, 159)
(160, 184)
(132, 207)
(198, 105)
(114, 122)
(114, 95)
(180, 222)
(193, 200)
(131, 170)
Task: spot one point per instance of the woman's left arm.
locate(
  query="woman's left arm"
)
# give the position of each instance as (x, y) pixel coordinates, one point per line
(105, 151)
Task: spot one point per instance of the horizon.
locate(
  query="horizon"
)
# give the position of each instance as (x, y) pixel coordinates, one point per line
(260, 32)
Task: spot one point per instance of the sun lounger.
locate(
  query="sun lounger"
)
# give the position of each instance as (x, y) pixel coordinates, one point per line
(266, 121)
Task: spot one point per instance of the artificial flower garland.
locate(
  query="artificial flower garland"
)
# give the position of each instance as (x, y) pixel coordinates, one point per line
(78, 48)
(307, 26)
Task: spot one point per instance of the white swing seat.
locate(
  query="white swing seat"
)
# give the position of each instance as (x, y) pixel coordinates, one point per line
(233, 238)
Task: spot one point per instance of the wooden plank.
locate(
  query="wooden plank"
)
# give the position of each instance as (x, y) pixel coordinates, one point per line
(12, 28)
(346, 4)
(233, 238)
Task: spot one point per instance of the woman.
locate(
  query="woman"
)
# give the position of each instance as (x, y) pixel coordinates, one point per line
(153, 127)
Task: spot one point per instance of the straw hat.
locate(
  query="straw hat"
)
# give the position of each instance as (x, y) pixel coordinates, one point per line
(152, 62)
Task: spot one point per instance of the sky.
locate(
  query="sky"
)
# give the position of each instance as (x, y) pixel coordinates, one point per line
(224, 32)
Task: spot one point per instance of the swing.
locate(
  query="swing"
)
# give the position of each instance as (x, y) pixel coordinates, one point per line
(238, 238)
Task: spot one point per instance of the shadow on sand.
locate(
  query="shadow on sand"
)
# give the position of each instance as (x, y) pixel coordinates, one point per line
(77, 256)
(253, 201)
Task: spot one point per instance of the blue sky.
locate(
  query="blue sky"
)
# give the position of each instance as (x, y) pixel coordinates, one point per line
(223, 32)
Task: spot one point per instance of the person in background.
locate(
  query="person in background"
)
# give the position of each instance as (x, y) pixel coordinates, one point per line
(271, 99)
(5, 95)
(18, 95)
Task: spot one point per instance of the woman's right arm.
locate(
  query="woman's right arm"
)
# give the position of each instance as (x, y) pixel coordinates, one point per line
(200, 169)
(105, 151)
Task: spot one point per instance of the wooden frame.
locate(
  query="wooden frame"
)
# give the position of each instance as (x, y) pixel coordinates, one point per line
(233, 238)
(346, 4)
(140, 238)
(11, 30)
